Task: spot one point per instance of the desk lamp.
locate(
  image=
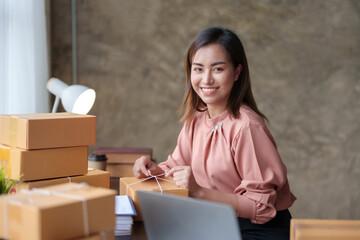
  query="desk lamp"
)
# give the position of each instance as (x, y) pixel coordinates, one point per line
(75, 98)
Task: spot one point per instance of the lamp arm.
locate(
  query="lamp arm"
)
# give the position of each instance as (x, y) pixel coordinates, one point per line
(56, 104)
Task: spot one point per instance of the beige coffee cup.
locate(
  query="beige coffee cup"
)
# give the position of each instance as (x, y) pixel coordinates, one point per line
(97, 161)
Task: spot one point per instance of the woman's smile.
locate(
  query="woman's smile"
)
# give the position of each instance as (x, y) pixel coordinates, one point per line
(208, 90)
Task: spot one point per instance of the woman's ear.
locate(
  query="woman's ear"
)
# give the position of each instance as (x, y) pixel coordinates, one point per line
(237, 72)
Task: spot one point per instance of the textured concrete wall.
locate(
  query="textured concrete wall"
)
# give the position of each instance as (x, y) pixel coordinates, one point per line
(304, 61)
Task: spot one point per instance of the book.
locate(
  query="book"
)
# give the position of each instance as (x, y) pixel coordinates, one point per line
(124, 211)
(124, 206)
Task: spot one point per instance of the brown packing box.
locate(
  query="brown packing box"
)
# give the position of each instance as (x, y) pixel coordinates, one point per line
(148, 185)
(120, 169)
(321, 229)
(117, 171)
(109, 235)
(43, 163)
(94, 177)
(121, 161)
(123, 154)
(47, 130)
(66, 213)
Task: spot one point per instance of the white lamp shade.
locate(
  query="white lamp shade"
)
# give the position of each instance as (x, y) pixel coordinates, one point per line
(78, 99)
(75, 98)
(56, 86)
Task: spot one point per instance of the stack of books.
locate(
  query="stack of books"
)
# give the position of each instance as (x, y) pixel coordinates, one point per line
(124, 210)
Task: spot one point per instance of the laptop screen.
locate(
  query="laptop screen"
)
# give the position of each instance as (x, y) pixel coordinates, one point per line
(174, 217)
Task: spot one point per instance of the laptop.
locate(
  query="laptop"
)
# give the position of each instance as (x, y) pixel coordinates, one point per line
(178, 218)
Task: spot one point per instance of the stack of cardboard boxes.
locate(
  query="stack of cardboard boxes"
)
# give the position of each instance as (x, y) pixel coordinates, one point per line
(120, 164)
(121, 161)
(47, 149)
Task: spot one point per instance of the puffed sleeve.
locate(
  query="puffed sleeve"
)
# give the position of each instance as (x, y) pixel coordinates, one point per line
(262, 171)
(182, 153)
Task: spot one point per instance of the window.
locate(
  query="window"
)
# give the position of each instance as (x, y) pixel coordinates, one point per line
(23, 57)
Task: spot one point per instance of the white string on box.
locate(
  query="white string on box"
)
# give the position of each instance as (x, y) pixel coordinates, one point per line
(69, 179)
(151, 176)
(158, 184)
(59, 193)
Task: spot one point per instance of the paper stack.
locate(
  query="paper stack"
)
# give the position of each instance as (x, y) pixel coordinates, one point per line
(124, 210)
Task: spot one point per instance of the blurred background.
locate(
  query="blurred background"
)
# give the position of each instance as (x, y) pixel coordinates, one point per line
(304, 59)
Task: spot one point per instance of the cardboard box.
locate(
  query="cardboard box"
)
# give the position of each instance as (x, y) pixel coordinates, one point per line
(121, 159)
(94, 177)
(115, 184)
(109, 235)
(47, 130)
(124, 154)
(66, 211)
(321, 229)
(120, 169)
(128, 186)
(43, 163)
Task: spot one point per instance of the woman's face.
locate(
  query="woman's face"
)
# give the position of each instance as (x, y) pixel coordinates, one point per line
(212, 77)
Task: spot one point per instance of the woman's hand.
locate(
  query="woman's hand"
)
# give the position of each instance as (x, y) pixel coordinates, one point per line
(144, 167)
(183, 177)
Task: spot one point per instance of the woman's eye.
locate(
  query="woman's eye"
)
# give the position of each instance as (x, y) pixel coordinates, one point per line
(218, 69)
(197, 69)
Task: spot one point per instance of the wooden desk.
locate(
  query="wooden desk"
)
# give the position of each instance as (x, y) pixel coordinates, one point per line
(138, 233)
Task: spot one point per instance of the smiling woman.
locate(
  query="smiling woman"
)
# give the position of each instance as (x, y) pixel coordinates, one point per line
(233, 53)
(225, 153)
(213, 76)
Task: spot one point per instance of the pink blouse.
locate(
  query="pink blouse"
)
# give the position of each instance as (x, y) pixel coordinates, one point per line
(236, 156)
